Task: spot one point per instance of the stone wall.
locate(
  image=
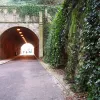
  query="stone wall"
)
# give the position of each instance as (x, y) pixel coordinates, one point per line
(6, 16)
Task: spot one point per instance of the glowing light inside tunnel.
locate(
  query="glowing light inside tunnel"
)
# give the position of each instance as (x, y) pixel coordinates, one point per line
(18, 29)
(20, 32)
(27, 49)
(21, 35)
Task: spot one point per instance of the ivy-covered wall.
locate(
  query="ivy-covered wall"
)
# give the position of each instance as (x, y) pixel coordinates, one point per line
(54, 49)
(75, 25)
(74, 43)
(29, 9)
(88, 78)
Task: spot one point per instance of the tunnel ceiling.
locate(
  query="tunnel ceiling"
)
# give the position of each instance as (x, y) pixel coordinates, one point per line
(11, 39)
(13, 35)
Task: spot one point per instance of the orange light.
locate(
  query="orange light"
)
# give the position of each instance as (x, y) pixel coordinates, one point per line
(20, 32)
(21, 35)
(24, 40)
(18, 29)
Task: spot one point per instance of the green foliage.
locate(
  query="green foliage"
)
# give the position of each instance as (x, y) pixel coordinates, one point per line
(29, 9)
(74, 21)
(54, 50)
(89, 74)
(10, 10)
(44, 2)
(74, 34)
(46, 26)
(52, 10)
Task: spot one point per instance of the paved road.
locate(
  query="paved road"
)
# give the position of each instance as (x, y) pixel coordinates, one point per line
(27, 80)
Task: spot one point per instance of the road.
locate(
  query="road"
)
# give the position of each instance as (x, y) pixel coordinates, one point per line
(25, 79)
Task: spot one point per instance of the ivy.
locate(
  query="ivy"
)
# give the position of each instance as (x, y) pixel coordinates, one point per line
(89, 74)
(74, 41)
(54, 53)
(29, 9)
(75, 25)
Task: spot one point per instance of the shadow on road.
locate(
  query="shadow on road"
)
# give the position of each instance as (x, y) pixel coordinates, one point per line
(25, 58)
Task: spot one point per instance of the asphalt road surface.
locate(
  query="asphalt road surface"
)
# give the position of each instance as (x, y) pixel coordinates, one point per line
(25, 79)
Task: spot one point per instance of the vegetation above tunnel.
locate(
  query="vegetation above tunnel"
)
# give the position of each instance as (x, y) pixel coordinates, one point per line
(31, 7)
(46, 2)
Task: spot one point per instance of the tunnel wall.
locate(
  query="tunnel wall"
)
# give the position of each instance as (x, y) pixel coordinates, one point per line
(8, 50)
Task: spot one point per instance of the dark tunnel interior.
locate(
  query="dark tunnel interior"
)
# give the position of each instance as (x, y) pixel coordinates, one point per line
(11, 42)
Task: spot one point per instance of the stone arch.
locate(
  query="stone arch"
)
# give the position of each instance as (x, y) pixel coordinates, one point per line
(11, 32)
(32, 26)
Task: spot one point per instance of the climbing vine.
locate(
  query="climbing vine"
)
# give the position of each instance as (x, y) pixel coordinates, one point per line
(76, 13)
(31, 9)
(89, 74)
(54, 52)
(74, 41)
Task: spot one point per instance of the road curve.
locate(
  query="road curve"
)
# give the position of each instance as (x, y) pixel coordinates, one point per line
(25, 79)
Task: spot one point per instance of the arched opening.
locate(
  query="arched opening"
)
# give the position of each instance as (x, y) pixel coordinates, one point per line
(12, 40)
(27, 49)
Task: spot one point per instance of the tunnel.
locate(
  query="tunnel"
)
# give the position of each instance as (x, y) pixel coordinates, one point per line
(13, 38)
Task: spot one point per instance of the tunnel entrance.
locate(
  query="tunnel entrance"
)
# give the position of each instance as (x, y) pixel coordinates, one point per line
(11, 42)
(27, 49)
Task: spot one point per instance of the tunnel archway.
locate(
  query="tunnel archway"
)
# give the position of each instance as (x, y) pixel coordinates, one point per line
(12, 40)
